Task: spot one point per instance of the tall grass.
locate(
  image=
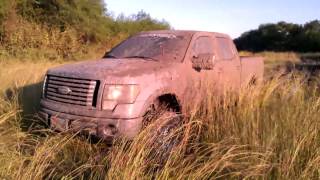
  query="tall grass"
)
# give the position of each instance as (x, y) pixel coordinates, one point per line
(37, 42)
(271, 131)
(275, 57)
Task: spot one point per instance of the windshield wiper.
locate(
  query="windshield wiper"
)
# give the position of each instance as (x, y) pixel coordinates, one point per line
(142, 57)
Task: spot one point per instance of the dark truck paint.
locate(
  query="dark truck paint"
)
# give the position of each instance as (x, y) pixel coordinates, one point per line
(109, 97)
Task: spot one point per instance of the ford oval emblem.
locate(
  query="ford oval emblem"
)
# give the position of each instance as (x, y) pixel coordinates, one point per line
(64, 90)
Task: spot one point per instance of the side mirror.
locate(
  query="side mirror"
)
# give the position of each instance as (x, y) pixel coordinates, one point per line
(203, 61)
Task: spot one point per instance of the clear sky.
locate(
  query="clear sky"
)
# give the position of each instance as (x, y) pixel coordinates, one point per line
(228, 16)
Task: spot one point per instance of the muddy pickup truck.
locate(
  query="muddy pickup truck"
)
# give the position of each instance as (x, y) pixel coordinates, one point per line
(110, 97)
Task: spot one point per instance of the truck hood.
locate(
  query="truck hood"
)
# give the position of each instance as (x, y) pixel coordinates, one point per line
(104, 69)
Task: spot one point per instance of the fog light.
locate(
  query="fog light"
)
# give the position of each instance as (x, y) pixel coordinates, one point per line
(107, 132)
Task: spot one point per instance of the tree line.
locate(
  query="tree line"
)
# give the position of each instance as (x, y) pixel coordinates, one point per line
(282, 36)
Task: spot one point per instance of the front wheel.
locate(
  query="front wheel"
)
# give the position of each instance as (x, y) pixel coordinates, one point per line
(164, 127)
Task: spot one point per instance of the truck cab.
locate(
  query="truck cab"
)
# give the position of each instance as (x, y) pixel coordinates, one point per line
(109, 97)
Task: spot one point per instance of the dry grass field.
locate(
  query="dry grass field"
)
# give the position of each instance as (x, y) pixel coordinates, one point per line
(272, 132)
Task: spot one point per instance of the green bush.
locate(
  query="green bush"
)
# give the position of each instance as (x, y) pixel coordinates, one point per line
(139, 22)
(87, 16)
(65, 29)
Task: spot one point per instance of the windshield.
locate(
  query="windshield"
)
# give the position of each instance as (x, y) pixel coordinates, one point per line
(159, 47)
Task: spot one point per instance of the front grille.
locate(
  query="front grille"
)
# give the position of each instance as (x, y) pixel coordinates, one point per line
(82, 92)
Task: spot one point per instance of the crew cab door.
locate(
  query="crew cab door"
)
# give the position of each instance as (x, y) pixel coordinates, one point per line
(228, 64)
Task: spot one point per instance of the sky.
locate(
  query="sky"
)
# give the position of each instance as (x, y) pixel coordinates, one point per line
(227, 16)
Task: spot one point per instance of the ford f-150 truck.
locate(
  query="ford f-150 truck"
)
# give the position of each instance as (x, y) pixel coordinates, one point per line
(109, 97)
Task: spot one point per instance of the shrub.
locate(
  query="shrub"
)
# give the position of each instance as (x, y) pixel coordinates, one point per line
(65, 29)
(88, 17)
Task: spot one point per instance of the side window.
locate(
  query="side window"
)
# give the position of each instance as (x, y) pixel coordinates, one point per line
(203, 45)
(224, 48)
(203, 54)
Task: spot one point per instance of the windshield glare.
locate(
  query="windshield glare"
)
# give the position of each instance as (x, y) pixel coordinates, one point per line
(160, 47)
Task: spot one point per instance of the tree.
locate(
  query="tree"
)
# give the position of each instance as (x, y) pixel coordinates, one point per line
(282, 37)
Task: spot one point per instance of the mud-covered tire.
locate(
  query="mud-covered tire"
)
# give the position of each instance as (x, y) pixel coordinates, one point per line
(165, 137)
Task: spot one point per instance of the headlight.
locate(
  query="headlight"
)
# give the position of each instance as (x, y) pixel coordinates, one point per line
(119, 94)
(44, 86)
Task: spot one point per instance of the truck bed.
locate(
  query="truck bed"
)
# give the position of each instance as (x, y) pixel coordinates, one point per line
(251, 69)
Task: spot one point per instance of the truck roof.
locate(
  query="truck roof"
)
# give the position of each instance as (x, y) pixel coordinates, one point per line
(182, 32)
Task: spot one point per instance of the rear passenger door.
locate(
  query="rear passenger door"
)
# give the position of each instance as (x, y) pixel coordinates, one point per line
(229, 66)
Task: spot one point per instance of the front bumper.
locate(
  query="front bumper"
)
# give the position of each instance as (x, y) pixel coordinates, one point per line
(105, 128)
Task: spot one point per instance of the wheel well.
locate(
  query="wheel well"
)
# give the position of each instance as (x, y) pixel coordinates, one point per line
(170, 101)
